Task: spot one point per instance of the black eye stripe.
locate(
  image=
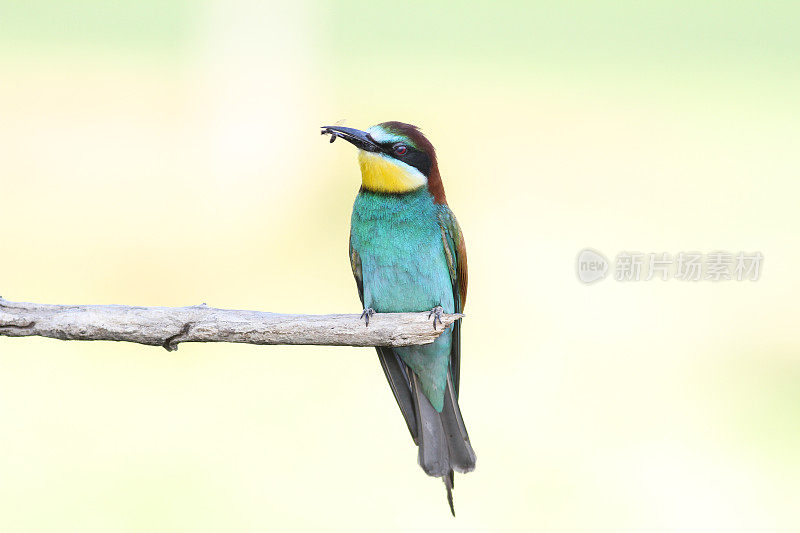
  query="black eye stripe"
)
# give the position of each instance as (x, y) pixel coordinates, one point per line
(413, 156)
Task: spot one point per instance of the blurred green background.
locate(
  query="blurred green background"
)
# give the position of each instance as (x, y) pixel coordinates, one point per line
(167, 153)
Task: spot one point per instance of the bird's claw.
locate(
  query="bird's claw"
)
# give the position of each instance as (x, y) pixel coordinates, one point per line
(436, 313)
(368, 312)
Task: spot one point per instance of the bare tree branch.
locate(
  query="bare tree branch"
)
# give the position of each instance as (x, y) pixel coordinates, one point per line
(170, 326)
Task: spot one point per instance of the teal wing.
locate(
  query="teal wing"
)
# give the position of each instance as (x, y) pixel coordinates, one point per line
(456, 253)
(355, 265)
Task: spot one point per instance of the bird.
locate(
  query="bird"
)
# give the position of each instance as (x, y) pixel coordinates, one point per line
(407, 254)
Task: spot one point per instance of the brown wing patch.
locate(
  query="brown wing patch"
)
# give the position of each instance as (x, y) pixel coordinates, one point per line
(461, 253)
(456, 254)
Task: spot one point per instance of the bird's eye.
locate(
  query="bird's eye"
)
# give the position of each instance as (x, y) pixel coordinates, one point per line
(400, 149)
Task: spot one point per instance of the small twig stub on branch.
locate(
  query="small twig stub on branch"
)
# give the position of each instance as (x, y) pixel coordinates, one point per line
(170, 326)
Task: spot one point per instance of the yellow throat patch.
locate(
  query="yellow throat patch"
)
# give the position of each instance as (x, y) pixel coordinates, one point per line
(382, 173)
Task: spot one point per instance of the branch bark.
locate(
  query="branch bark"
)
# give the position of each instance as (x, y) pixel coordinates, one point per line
(170, 326)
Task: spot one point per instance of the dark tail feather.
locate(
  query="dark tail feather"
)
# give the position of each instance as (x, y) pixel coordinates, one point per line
(442, 437)
(448, 486)
(434, 455)
(462, 456)
(397, 374)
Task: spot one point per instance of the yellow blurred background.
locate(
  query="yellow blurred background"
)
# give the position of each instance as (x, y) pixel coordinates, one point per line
(168, 153)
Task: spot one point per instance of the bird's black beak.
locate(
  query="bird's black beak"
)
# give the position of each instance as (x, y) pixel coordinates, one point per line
(360, 139)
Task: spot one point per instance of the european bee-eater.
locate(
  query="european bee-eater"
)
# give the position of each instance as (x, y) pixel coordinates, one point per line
(408, 255)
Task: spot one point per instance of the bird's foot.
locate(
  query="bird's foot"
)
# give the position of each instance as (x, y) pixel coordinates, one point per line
(436, 313)
(368, 312)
